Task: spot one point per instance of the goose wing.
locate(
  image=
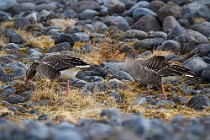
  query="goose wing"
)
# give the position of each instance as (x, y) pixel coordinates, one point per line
(62, 62)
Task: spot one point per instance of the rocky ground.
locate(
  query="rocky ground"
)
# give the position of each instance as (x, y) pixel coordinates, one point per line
(105, 102)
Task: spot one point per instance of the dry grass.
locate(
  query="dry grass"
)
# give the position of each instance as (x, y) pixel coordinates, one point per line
(75, 106)
(63, 23)
(2, 41)
(59, 107)
(197, 20)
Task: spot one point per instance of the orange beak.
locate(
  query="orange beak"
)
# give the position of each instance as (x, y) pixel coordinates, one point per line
(117, 52)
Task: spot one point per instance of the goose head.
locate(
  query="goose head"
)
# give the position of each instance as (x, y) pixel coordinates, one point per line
(30, 72)
(127, 49)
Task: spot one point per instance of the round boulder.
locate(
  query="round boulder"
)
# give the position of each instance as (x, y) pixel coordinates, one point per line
(169, 23)
(205, 75)
(170, 45)
(170, 9)
(147, 23)
(196, 64)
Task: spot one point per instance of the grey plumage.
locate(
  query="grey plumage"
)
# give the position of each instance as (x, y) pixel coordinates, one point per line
(150, 71)
(55, 67)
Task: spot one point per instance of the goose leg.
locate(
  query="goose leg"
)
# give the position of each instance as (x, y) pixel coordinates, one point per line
(51, 86)
(163, 90)
(148, 89)
(67, 87)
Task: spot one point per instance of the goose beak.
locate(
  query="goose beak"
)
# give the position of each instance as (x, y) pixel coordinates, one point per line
(117, 52)
(26, 81)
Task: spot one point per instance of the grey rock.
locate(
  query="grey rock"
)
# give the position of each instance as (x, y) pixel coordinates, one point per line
(157, 34)
(169, 23)
(122, 75)
(48, 6)
(140, 12)
(156, 5)
(42, 117)
(113, 66)
(81, 37)
(138, 125)
(37, 130)
(113, 116)
(4, 16)
(114, 83)
(140, 100)
(149, 44)
(18, 68)
(194, 10)
(69, 13)
(206, 59)
(204, 49)
(170, 9)
(4, 60)
(147, 23)
(184, 23)
(12, 36)
(123, 27)
(100, 26)
(21, 23)
(158, 129)
(96, 72)
(64, 46)
(88, 14)
(196, 65)
(140, 4)
(189, 39)
(199, 102)
(186, 89)
(65, 126)
(202, 28)
(9, 94)
(130, 34)
(21, 7)
(93, 79)
(180, 100)
(170, 45)
(93, 87)
(176, 32)
(205, 75)
(67, 135)
(182, 2)
(117, 96)
(7, 4)
(163, 102)
(12, 46)
(118, 8)
(80, 83)
(64, 38)
(80, 6)
(115, 20)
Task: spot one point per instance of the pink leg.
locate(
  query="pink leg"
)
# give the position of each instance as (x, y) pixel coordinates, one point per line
(148, 89)
(163, 90)
(67, 87)
(51, 86)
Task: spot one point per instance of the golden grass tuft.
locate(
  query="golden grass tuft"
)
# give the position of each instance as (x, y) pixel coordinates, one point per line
(7, 24)
(42, 42)
(63, 23)
(197, 20)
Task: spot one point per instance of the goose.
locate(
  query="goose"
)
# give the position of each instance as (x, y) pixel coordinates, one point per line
(57, 66)
(150, 71)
